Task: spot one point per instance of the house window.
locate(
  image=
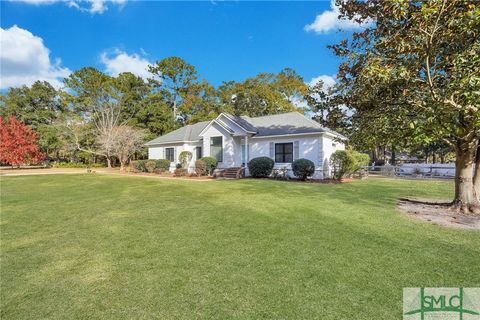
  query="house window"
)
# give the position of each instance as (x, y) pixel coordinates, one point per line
(216, 148)
(170, 154)
(198, 151)
(284, 152)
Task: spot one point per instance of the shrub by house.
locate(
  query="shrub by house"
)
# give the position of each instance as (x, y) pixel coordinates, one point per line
(303, 168)
(260, 167)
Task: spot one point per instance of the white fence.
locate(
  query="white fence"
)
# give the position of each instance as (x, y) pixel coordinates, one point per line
(426, 170)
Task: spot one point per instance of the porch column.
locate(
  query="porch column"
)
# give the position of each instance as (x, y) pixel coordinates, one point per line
(246, 150)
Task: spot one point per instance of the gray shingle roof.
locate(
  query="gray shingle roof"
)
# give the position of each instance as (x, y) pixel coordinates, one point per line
(285, 123)
(279, 124)
(243, 122)
(187, 133)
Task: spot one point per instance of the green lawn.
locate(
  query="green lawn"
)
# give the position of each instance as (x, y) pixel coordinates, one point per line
(112, 247)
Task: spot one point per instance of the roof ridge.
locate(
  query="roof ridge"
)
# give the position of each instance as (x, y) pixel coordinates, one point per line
(277, 114)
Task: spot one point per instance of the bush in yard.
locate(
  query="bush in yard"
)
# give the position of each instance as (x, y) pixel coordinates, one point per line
(303, 168)
(180, 172)
(260, 167)
(347, 162)
(200, 168)
(140, 165)
(150, 165)
(210, 164)
(162, 164)
(185, 157)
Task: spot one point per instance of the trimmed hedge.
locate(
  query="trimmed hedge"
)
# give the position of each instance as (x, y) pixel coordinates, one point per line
(303, 168)
(162, 164)
(141, 165)
(260, 167)
(210, 164)
(150, 165)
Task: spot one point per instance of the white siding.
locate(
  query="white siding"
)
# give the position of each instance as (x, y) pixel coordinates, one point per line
(309, 148)
(155, 153)
(329, 146)
(230, 147)
(317, 149)
(159, 153)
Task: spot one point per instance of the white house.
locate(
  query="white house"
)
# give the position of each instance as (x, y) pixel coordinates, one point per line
(234, 140)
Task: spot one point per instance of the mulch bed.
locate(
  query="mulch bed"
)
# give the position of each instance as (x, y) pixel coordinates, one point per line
(438, 212)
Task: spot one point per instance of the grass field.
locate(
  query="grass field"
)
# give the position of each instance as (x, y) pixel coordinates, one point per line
(112, 247)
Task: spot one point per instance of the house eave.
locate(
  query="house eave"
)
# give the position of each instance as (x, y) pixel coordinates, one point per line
(288, 135)
(238, 124)
(217, 122)
(148, 144)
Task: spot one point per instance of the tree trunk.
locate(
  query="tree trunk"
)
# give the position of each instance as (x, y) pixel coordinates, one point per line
(109, 162)
(466, 200)
(174, 108)
(393, 156)
(476, 177)
(374, 154)
(122, 165)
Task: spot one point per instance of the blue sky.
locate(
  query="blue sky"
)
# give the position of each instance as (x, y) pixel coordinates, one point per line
(223, 40)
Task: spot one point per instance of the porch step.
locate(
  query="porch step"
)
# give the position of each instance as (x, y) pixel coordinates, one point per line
(234, 173)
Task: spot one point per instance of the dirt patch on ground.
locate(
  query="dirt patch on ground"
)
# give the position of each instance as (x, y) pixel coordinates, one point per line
(438, 212)
(114, 171)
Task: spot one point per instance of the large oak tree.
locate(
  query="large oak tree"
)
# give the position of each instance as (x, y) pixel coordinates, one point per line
(416, 71)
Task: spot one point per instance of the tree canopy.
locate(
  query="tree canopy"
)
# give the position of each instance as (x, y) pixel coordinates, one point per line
(413, 76)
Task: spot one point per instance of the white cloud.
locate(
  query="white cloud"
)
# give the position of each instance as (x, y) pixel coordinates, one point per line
(98, 6)
(24, 59)
(328, 81)
(328, 21)
(121, 61)
(92, 6)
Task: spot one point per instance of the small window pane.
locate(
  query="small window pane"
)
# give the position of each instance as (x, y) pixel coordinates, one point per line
(169, 154)
(199, 152)
(216, 148)
(288, 148)
(284, 152)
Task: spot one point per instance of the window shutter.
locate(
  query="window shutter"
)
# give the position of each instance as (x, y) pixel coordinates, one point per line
(296, 150)
(164, 155)
(174, 154)
(272, 151)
